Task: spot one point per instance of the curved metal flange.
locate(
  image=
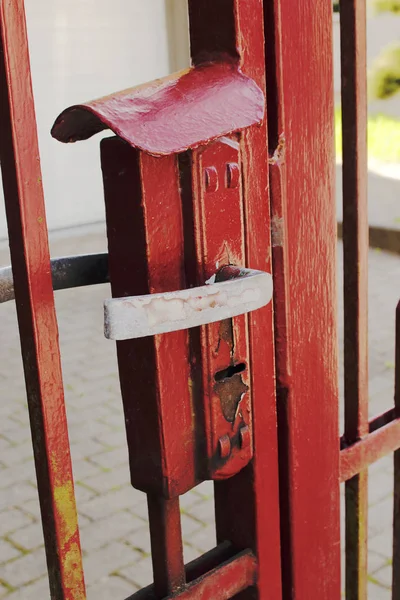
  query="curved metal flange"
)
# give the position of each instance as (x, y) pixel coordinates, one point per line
(235, 291)
(67, 272)
(172, 114)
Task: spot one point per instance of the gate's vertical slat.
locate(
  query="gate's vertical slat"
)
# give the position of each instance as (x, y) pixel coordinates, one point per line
(256, 486)
(26, 219)
(309, 409)
(396, 502)
(166, 545)
(355, 250)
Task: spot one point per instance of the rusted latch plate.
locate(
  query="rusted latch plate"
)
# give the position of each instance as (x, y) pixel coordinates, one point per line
(243, 291)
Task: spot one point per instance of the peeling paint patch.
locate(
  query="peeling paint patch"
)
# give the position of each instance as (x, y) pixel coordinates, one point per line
(141, 316)
(277, 231)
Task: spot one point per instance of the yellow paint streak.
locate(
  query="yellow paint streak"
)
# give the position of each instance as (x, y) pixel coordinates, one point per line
(67, 520)
(73, 576)
(64, 499)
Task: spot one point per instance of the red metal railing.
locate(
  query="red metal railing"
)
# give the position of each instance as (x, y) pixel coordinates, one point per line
(23, 192)
(364, 441)
(301, 352)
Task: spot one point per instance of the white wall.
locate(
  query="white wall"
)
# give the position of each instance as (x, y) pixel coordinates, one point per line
(80, 50)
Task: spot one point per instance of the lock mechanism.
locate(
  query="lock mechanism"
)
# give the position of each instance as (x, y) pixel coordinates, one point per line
(176, 221)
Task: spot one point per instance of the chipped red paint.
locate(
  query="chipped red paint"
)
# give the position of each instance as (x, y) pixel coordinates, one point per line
(300, 77)
(172, 114)
(218, 230)
(202, 404)
(143, 209)
(35, 307)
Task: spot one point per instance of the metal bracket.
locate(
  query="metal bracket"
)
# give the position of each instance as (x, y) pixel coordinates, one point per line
(235, 292)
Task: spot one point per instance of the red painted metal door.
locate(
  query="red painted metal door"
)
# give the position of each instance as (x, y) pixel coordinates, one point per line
(216, 178)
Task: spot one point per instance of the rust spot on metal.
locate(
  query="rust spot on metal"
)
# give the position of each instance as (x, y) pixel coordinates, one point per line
(230, 392)
(277, 231)
(278, 156)
(225, 334)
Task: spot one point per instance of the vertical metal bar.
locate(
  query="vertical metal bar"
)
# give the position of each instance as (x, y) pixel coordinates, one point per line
(166, 545)
(280, 262)
(26, 219)
(355, 261)
(236, 28)
(307, 360)
(396, 502)
(143, 206)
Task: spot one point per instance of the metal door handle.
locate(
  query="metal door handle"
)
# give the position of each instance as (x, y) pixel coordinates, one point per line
(232, 292)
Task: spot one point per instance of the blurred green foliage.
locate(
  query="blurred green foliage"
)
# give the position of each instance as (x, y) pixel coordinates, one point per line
(386, 6)
(383, 137)
(384, 78)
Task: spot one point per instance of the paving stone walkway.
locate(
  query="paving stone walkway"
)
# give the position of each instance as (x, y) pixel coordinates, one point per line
(112, 515)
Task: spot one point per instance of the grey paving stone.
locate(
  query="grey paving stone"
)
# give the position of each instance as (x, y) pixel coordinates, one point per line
(382, 543)
(83, 494)
(377, 592)
(13, 519)
(83, 469)
(380, 486)
(115, 478)
(104, 531)
(17, 495)
(141, 510)
(190, 553)
(108, 560)
(140, 539)
(25, 569)
(114, 438)
(35, 591)
(13, 455)
(31, 507)
(114, 501)
(141, 573)
(204, 539)
(111, 459)
(204, 511)
(30, 537)
(380, 516)
(11, 475)
(85, 449)
(375, 562)
(7, 551)
(384, 576)
(112, 587)
(206, 488)
(190, 525)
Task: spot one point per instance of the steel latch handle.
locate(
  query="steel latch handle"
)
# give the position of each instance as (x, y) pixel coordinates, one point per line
(232, 292)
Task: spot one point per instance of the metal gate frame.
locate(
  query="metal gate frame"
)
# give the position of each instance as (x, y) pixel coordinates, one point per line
(300, 133)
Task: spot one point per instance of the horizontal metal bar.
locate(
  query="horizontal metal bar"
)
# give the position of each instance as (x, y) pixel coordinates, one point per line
(67, 272)
(236, 291)
(222, 582)
(384, 438)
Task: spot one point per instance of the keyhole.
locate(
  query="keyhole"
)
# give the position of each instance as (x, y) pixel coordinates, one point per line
(230, 371)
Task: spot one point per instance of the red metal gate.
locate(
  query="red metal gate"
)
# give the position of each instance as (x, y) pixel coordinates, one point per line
(217, 382)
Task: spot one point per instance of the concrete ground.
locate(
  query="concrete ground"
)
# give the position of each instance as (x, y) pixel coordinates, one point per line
(113, 519)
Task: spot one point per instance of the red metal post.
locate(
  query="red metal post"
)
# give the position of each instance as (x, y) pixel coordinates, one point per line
(255, 487)
(396, 458)
(27, 229)
(355, 261)
(304, 236)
